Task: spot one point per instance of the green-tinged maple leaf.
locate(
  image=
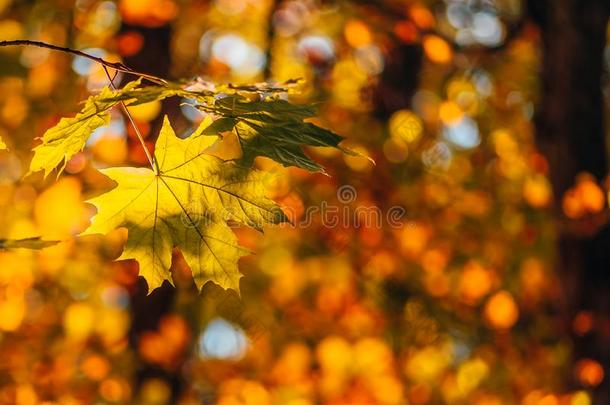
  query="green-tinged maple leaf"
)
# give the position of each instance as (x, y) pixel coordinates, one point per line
(132, 94)
(186, 204)
(27, 243)
(274, 129)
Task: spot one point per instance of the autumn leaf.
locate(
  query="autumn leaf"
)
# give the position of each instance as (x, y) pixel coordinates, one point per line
(27, 243)
(186, 203)
(271, 127)
(134, 94)
(61, 142)
(274, 129)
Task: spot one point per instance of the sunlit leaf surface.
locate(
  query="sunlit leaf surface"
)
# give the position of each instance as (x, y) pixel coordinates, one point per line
(186, 204)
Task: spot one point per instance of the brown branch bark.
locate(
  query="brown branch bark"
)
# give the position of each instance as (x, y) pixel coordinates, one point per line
(113, 65)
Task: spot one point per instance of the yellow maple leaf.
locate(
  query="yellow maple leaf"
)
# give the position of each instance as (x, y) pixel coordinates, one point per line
(69, 136)
(61, 142)
(186, 202)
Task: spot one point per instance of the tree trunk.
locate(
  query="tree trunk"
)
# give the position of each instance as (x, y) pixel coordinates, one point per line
(147, 310)
(570, 133)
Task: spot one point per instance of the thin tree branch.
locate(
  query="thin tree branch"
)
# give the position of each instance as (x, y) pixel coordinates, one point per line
(117, 66)
(113, 65)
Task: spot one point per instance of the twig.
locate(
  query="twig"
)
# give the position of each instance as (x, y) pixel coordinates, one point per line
(151, 161)
(113, 65)
(117, 66)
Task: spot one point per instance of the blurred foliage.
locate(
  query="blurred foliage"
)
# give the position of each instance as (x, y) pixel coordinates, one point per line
(454, 302)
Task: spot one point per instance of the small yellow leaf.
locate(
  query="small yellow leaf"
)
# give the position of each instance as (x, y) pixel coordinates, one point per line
(68, 137)
(27, 243)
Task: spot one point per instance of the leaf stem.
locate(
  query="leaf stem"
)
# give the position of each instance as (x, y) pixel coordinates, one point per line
(118, 66)
(153, 163)
(113, 65)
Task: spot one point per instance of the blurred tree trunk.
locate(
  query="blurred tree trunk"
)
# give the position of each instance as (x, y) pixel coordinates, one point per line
(571, 134)
(399, 80)
(147, 310)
